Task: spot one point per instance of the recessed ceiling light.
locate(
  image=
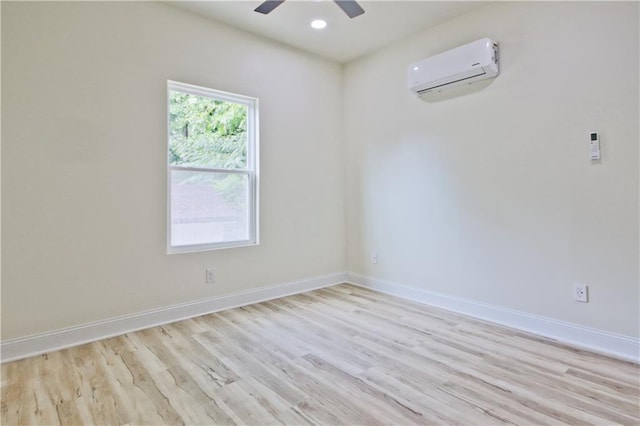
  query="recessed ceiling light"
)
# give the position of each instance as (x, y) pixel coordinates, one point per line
(318, 24)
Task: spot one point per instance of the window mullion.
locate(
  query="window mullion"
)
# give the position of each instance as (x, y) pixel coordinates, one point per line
(207, 170)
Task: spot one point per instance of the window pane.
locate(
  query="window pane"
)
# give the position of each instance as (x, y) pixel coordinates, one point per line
(208, 208)
(206, 132)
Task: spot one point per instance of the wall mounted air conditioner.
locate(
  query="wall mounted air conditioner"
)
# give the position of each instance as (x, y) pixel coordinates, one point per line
(463, 65)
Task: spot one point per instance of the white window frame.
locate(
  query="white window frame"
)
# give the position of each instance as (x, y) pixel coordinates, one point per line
(251, 170)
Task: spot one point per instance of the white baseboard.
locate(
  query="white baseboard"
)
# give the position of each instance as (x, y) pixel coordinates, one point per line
(615, 345)
(24, 347)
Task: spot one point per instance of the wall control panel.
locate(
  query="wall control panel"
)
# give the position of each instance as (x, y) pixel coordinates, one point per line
(594, 145)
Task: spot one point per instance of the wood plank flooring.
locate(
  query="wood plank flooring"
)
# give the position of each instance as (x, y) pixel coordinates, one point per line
(338, 356)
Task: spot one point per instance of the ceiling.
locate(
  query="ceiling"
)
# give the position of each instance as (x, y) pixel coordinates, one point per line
(343, 39)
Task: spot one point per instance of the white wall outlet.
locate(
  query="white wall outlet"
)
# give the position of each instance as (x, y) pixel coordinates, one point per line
(374, 257)
(581, 292)
(210, 276)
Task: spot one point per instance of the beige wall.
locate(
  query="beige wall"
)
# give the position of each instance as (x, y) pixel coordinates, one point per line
(84, 176)
(488, 196)
(491, 196)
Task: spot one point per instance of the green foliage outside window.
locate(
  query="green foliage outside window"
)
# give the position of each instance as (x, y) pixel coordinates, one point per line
(210, 133)
(207, 132)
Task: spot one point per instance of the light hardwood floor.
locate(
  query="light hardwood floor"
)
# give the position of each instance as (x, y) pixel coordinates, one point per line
(341, 355)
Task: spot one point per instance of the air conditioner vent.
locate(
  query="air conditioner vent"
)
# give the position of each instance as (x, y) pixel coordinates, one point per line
(466, 64)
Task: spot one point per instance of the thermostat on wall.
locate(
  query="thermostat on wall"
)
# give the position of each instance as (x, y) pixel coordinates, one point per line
(594, 144)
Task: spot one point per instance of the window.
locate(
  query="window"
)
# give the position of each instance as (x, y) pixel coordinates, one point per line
(212, 158)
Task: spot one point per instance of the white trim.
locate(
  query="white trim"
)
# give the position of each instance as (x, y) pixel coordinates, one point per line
(209, 92)
(209, 170)
(615, 345)
(604, 342)
(24, 347)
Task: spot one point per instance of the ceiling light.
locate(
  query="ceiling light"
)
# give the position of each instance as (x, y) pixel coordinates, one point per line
(318, 24)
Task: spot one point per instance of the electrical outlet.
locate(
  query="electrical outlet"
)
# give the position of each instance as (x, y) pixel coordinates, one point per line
(374, 257)
(210, 276)
(581, 292)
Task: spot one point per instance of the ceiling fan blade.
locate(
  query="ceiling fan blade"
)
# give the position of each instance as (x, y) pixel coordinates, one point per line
(350, 7)
(268, 6)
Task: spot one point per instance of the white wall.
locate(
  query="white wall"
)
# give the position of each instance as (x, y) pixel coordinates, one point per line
(491, 196)
(488, 196)
(84, 175)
